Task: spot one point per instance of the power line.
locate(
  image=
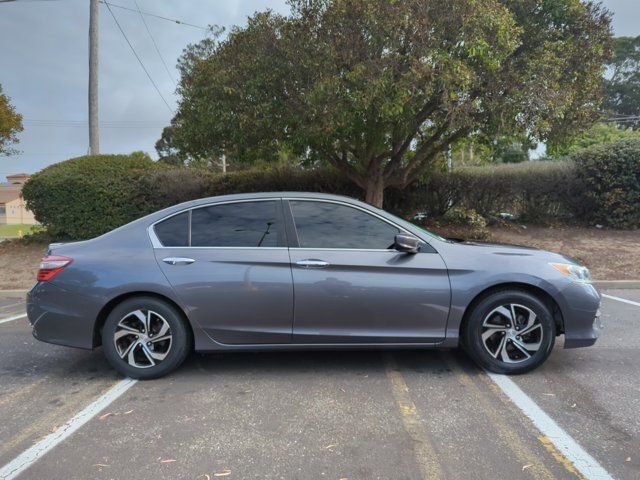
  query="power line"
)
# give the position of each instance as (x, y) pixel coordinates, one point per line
(154, 43)
(138, 58)
(84, 122)
(179, 22)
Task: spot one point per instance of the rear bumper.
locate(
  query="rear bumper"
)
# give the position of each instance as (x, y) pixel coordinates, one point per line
(59, 316)
(581, 314)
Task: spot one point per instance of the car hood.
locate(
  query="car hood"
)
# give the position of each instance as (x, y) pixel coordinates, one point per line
(510, 250)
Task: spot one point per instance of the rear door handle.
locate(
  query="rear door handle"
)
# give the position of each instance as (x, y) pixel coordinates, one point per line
(178, 260)
(312, 263)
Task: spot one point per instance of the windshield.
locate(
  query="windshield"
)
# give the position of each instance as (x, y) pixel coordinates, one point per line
(428, 232)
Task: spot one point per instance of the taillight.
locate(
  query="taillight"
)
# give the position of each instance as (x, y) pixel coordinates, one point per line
(51, 265)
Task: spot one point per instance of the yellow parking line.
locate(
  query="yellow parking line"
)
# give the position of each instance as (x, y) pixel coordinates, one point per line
(513, 441)
(546, 442)
(564, 461)
(422, 447)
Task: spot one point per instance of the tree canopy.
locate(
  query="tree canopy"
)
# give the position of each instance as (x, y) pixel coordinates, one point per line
(622, 88)
(598, 134)
(10, 125)
(380, 88)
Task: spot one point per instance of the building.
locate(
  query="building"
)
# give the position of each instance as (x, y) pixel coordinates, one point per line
(12, 206)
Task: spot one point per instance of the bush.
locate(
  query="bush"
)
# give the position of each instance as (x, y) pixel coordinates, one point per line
(87, 196)
(531, 190)
(611, 177)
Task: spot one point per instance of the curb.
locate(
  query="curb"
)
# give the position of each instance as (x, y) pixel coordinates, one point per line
(618, 284)
(8, 293)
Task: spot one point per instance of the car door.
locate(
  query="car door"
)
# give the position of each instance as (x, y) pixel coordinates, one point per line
(229, 264)
(352, 287)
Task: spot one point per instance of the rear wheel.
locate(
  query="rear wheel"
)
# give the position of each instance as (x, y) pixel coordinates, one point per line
(509, 331)
(145, 338)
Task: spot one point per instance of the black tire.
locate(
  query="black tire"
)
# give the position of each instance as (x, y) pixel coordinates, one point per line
(177, 348)
(484, 317)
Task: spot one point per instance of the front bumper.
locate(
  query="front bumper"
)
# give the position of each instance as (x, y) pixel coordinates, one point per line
(581, 315)
(59, 316)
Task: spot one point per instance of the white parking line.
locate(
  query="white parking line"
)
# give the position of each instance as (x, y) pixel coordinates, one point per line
(15, 317)
(27, 458)
(582, 461)
(624, 300)
(11, 305)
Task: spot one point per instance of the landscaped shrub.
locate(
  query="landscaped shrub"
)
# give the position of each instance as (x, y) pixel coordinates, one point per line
(611, 176)
(87, 196)
(531, 190)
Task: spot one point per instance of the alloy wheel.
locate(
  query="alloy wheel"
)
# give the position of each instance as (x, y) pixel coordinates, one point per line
(512, 333)
(143, 338)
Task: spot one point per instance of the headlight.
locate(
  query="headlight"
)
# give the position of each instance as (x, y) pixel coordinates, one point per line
(576, 273)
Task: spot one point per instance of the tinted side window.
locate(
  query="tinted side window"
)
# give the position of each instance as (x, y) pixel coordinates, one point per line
(330, 225)
(244, 224)
(174, 231)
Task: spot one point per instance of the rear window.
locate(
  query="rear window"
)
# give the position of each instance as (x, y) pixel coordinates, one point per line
(174, 231)
(242, 224)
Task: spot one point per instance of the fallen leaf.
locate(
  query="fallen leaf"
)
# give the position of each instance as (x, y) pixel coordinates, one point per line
(223, 473)
(108, 414)
(54, 428)
(168, 460)
(524, 467)
(100, 465)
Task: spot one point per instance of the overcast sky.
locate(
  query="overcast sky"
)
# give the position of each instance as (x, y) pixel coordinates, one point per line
(44, 65)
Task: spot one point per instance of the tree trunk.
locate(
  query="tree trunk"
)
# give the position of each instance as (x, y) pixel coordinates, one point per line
(374, 191)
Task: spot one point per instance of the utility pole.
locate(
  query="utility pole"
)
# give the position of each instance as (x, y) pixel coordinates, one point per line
(94, 128)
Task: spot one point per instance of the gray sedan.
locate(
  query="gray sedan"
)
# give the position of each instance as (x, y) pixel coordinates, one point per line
(292, 270)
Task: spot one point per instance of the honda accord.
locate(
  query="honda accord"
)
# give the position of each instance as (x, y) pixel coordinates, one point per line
(283, 271)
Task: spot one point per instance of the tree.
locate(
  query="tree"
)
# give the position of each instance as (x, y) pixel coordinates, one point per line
(380, 88)
(167, 153)
(599, 134)
(10, 125)
(622, 88)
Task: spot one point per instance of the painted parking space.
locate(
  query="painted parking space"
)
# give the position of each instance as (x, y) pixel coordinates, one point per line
(405, 414)
(12, 307)
(594, 393)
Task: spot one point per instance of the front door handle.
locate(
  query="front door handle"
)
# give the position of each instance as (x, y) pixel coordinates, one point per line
(312, 263)
(178, 260)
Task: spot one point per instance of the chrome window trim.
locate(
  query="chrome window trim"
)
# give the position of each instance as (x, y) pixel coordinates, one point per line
(310, 249)
(162, 247)
(155, 241)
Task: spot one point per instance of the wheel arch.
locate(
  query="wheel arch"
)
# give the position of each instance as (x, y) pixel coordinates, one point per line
(111, 304)
(535, 290)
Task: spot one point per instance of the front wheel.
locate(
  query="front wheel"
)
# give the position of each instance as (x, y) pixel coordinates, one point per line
(509, 331)
(145, 338)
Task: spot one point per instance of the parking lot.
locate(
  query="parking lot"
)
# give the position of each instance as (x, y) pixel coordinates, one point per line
(322, 415)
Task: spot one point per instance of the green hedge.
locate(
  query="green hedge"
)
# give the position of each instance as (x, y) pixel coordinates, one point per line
(532, 190)
(611, 177)
(87, 196)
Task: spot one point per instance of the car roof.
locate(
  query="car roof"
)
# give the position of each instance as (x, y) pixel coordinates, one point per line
(262, 195)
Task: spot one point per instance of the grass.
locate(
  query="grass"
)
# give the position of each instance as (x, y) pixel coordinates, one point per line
(16, 230)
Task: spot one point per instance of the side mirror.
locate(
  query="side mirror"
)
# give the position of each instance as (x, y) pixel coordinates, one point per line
(406, 243)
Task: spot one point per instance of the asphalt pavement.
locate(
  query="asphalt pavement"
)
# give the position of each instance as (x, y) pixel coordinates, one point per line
(319, 415)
